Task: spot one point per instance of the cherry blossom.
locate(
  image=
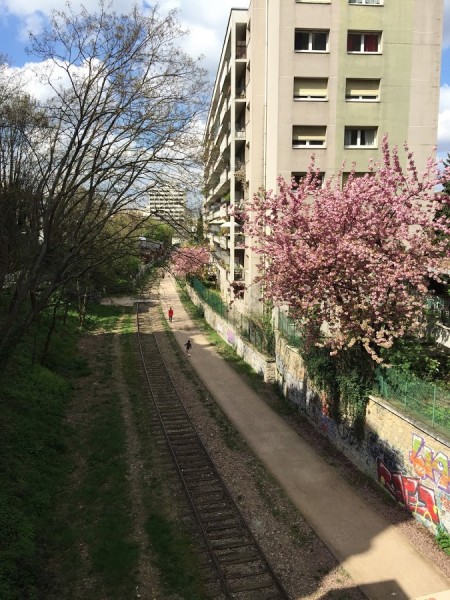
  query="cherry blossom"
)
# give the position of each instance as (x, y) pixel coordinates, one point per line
(354, 262)
(190, 260)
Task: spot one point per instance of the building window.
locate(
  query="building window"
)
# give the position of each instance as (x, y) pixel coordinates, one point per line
(365, 2)
(311, 41)
(362, 90)
(368, 43)
(299, 176)
(360, 137)
(308, 135)
(310, 89)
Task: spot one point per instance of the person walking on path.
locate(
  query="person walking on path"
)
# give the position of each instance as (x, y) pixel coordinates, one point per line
(188, 346)
(170, 313)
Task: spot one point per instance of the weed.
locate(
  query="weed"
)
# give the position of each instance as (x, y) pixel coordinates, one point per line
(443, 539)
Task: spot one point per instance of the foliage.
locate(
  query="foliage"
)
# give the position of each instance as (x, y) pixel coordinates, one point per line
(443, 539)
(356, 259)
(37, 518)
(344, 380)
(446, 185)
(123, 101)
(418, 357)
(33, 459)
(190, 260)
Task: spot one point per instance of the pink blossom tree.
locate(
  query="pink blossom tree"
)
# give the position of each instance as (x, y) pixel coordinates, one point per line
(190, 260)
(355, 259)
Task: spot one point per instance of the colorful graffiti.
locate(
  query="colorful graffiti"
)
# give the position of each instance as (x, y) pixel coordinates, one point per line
(414, 496)
(429, 464)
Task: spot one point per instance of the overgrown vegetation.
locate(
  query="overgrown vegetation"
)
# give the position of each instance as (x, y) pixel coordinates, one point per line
(34, 453)
(443, 539)
(65, 493)
(421, 358)
(345, 380)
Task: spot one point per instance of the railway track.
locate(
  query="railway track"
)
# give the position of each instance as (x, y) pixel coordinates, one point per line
(235, 564)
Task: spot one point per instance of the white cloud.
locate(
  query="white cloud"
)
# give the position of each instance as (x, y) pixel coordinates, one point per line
(206, 21)
(31, 23)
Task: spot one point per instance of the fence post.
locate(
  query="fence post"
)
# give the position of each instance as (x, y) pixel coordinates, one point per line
(406, 390)
(434, 404)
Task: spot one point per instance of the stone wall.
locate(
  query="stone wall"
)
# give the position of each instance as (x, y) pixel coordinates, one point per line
(410, 460)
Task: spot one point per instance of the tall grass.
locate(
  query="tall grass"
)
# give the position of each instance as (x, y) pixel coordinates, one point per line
(34, 460)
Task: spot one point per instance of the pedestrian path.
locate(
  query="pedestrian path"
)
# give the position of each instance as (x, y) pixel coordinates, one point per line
(378, 558)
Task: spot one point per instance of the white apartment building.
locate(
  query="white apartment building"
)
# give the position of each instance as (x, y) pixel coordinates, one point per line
(298, 77)
(168, 205)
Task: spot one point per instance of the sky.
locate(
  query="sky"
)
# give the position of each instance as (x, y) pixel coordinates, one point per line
(205, 19)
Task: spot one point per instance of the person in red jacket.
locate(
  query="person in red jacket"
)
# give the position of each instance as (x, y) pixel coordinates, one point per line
(170, 314)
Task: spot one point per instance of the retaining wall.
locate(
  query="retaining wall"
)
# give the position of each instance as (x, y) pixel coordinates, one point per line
(259, 362)
(410, 460)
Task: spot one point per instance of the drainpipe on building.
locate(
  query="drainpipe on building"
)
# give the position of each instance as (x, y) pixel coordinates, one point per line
(266, 85)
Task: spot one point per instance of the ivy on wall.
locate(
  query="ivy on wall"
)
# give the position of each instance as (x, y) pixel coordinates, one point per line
(346, 379)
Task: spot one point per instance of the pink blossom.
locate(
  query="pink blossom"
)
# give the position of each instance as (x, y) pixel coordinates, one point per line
(190, 260)
(357, 258)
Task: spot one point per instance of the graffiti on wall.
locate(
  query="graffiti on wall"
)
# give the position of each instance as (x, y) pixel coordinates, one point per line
(231, 339)
(378, 448)
(414, 496)
(428, 464)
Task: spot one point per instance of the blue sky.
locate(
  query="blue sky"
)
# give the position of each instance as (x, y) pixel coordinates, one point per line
(206, 19)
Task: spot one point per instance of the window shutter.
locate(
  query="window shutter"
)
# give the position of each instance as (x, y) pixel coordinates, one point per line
(309, 132)
(362, 87)
(305, 88)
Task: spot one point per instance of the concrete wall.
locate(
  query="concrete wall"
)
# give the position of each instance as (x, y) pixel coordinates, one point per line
(259, 362)
(410, 460)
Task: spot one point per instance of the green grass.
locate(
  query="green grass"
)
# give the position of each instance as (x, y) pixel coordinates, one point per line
(34, 463)
(38, 515)
(174, 558)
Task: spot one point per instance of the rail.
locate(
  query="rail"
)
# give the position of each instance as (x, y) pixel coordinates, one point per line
(239, 562)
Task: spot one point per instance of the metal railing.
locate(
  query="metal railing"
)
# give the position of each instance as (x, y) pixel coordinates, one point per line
(440, 309)
(423, 400)
(249, 329)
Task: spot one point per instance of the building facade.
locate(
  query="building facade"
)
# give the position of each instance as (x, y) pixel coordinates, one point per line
(303, 77)
(168, 205)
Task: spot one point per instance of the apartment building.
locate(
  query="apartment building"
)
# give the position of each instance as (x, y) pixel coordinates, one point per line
(168, 205)
(303, 77)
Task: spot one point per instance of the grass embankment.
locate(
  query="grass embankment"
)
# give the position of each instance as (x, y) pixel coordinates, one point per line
(67, 526)
(45, 516)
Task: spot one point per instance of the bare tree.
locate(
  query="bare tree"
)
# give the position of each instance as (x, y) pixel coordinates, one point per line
(122, 117)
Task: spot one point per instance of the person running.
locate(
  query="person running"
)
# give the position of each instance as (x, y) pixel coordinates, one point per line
(170, 313)
(188, 346)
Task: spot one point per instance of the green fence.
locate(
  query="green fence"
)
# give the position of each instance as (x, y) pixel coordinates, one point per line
(289, 329)
(211, 298)
(249, 329)
(423, 400)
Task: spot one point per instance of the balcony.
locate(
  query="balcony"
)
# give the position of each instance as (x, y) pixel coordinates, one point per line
(241, 51)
